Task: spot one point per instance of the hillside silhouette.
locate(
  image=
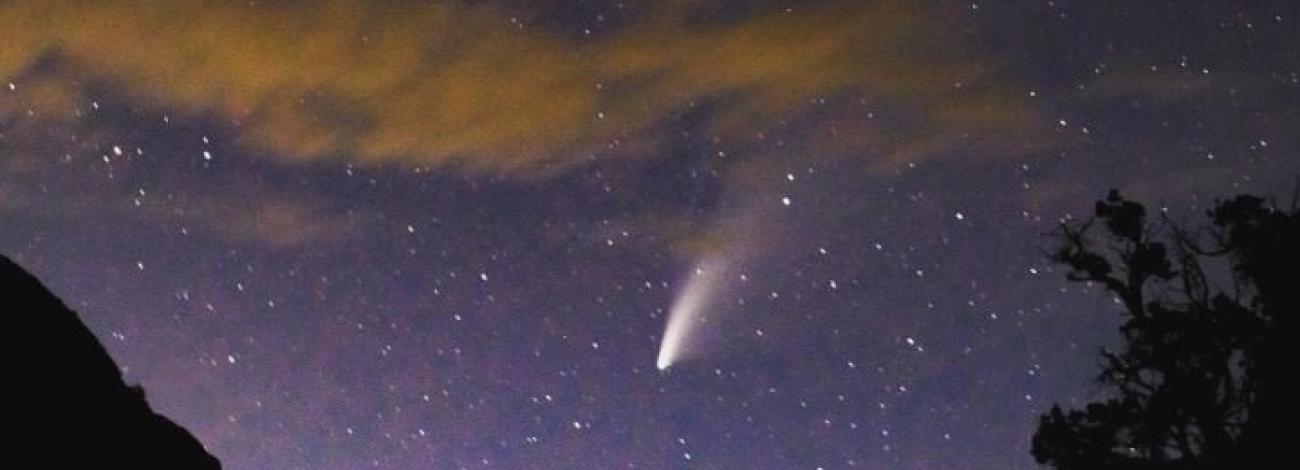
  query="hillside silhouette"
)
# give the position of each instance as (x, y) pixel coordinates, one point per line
(72, 409)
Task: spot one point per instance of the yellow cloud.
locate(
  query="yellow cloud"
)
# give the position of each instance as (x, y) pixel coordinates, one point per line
(278, 222)
(463, 86)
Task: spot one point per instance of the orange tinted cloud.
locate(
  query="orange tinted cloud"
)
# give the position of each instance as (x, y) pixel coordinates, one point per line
(466, 87)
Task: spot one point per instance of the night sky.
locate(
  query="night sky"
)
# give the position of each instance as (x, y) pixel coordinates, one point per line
(356, 234)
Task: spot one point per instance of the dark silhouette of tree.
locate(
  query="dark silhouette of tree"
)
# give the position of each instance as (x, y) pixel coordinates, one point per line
(1207, 332)
(68, 406)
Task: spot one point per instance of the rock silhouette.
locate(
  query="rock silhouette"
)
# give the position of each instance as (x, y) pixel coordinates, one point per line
(72, 409)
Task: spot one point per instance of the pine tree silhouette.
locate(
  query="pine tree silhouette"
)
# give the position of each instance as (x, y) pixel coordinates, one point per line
(1208, 327)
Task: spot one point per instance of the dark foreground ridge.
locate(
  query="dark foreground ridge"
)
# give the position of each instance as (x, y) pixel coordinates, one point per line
(72, 408)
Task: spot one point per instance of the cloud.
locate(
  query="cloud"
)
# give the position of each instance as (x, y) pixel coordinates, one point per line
(276, 221)
(470, 87)
(262, 218)
(47, 178)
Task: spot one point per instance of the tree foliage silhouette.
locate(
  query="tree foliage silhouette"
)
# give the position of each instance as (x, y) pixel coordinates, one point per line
(1208, 328)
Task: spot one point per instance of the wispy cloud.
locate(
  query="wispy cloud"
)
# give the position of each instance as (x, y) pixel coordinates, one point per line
(468, 87)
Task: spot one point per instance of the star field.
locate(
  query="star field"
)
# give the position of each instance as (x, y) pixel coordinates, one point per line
(450, 236)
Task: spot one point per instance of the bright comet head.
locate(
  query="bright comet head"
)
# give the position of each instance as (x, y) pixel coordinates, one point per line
(663, 362)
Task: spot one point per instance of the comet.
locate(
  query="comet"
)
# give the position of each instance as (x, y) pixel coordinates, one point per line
(688, 312)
